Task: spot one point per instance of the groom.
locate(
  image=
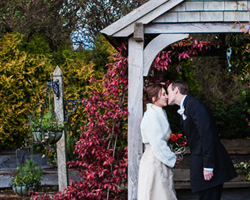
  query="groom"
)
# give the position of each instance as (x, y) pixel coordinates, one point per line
(210, 165)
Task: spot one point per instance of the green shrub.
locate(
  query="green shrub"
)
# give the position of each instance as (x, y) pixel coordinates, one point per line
(231, 120)
(28, 174)
(16, 95)
(22, 60)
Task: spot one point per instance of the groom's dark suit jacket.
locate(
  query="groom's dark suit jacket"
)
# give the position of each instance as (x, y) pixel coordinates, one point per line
(205, 147)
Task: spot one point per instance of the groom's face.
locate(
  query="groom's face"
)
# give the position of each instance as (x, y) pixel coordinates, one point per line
(171, 95)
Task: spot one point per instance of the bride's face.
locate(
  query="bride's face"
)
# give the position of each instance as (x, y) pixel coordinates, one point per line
(162, 100)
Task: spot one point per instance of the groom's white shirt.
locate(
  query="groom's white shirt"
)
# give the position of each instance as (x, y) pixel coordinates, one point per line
(182, 108)
(182, 101)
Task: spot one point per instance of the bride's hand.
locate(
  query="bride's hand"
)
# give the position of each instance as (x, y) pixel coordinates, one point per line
(177, 162)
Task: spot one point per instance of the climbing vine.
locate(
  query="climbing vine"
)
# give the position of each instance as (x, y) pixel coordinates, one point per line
(102, 155)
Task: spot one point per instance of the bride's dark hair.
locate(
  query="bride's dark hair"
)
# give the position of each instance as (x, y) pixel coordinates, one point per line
(150, 92)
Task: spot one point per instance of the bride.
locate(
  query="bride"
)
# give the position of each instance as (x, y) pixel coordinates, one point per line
(155, 180)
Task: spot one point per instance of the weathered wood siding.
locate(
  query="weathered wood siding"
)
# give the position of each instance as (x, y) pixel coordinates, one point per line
(207, 11)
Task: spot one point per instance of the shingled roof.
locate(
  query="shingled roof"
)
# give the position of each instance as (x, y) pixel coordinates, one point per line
(170, 12)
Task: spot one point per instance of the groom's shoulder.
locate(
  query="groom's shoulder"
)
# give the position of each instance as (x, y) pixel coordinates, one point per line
(190, 98)
(193, 100)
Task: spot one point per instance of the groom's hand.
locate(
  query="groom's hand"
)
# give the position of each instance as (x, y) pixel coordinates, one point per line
(208, 175)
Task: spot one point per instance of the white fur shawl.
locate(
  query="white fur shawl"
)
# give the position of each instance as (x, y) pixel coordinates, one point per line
(155, 130)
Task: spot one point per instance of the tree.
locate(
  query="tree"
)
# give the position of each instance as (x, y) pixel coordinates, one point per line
(60, 20)
(53, 18)
(95, 15)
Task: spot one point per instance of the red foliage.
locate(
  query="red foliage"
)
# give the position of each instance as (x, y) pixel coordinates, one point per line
(102, 164)
(185, 49)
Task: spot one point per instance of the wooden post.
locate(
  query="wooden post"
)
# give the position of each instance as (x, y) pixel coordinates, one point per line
(135, 109)
(61, 144)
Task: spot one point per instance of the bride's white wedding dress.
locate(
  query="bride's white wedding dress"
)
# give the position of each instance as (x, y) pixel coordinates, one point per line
(155, 180)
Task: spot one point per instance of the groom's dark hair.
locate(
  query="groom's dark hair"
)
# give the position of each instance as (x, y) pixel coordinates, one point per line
(181, 85)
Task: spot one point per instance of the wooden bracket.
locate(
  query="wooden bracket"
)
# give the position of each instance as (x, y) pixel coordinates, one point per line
(139, 32)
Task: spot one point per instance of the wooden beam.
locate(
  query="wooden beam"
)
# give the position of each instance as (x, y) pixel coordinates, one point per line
(132, 16)
(239, 184)
(135, 109)
(237, 146)
(157, 45)
(192, 28)
(151, 14)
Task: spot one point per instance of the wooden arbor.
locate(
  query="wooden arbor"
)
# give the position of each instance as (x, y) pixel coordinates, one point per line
(169, 21)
